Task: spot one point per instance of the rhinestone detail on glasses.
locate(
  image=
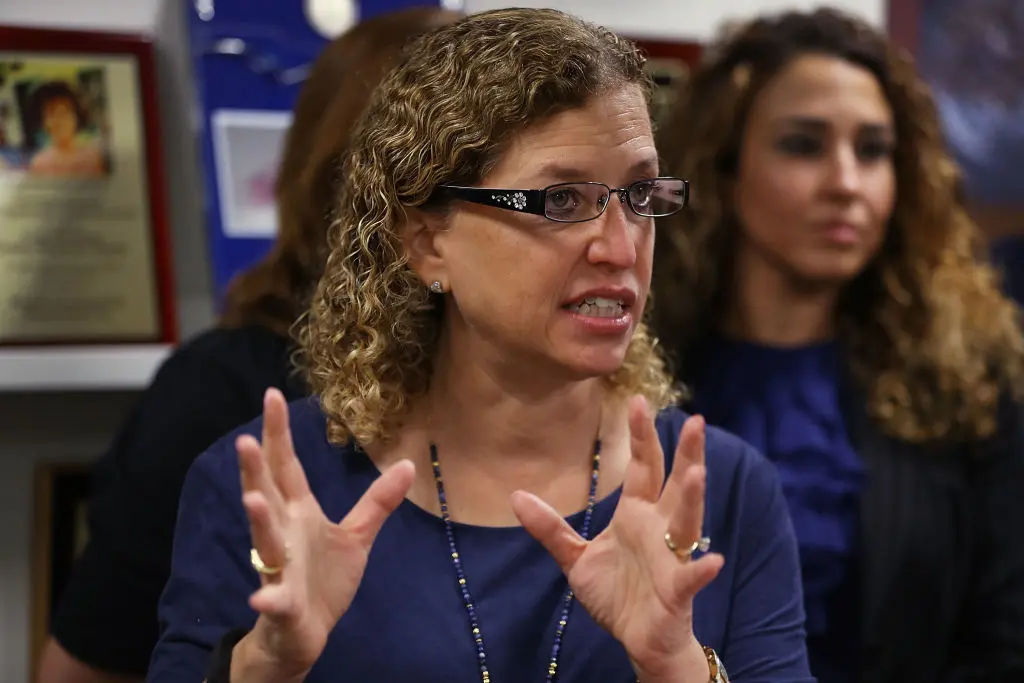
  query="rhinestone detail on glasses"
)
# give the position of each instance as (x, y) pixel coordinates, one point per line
(517, 200)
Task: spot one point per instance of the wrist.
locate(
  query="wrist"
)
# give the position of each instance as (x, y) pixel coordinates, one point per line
(688, 666)
(251, 662)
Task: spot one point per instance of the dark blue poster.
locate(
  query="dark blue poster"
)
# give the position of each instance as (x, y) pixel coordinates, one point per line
(971, 54)
(249, 60)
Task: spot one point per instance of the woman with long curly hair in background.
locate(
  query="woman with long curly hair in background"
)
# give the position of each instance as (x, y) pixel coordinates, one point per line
(823, 300)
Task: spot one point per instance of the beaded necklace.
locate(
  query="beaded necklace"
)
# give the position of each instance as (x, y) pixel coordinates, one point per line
(474, 622)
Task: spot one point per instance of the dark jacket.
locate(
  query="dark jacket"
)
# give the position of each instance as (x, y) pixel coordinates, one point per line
(1008, 257)
(943, 560)
(942, 554)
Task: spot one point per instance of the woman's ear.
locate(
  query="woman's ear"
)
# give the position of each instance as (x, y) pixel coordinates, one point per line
(419, 238)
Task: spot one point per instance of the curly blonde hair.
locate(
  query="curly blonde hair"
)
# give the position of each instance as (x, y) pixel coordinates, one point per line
(444, 115)
(927, 332)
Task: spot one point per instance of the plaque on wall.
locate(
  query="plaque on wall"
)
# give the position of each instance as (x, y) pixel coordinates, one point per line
(84, 253)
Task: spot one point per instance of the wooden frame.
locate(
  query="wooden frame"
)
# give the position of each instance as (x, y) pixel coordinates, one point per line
(62, 493)
(121, 69)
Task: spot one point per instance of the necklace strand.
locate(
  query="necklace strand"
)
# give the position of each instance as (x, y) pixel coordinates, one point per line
(474, 622)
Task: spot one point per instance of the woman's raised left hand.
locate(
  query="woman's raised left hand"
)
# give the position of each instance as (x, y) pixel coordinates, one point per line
(627, 578)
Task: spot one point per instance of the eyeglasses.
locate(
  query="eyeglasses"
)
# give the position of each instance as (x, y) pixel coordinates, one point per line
(579, 202)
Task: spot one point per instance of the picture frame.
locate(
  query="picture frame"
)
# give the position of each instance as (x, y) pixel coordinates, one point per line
(85, 252)
(247, 147)
(62, 492)
(972, 58)
(669, 64)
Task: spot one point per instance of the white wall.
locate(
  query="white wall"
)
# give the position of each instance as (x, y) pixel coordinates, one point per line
(686, 19)
(40, 427)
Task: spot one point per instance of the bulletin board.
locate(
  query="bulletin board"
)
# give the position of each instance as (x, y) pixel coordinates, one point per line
(249, 60)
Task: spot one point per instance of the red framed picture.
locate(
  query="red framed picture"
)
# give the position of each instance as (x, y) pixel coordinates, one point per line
(84, 252)
(971, 54)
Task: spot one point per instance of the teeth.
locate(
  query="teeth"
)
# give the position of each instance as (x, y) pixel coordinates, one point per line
(599, 301)
(599, 307)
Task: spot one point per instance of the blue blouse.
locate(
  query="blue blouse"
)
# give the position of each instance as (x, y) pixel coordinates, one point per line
(786, 403)
(408, 622)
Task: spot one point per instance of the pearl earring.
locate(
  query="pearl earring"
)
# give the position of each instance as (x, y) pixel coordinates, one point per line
(436, 287)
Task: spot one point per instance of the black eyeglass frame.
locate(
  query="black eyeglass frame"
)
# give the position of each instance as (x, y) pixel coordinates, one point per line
(533, 201)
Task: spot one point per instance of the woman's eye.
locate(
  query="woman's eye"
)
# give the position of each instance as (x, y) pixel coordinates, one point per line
(560, 199)
(872, 150)
(800, 145)
(640, 193)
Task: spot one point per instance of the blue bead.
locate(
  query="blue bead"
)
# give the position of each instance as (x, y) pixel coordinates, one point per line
(456, 563)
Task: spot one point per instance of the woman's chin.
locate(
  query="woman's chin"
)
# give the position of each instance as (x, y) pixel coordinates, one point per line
(588, 363)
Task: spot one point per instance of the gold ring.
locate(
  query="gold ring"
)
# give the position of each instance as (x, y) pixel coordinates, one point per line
(702, 544)
(259, 566)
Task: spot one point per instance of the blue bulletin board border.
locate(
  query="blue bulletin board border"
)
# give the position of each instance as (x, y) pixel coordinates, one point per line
(250, 57)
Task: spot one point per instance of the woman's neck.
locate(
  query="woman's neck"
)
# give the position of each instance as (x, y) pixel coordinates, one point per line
(498, 428)
(767, 307)
(494, 409)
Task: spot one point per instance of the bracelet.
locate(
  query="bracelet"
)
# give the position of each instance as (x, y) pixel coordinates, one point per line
(219, 670)
(715, 668)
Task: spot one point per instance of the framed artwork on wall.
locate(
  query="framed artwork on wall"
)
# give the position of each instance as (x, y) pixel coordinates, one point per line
(971, 54)
(85, 255)
(60, 531)
(669, 64)
(247, 148)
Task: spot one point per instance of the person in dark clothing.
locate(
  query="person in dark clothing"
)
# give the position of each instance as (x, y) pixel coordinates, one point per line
(105, 626)
(824, 301)
(1008, 255)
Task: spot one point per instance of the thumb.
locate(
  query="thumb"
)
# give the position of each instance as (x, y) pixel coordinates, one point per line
(366, 518)
(550, 530)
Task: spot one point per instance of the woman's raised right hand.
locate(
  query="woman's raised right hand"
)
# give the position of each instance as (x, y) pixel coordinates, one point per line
(321, 563)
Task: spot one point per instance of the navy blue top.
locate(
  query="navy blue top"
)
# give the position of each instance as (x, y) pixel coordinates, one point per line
(408, 623)
(786, 402)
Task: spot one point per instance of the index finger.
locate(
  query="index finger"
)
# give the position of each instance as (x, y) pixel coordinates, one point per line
(277, 443)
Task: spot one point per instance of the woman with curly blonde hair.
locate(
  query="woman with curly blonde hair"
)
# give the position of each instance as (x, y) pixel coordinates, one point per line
(487, 446)
(823, 300)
